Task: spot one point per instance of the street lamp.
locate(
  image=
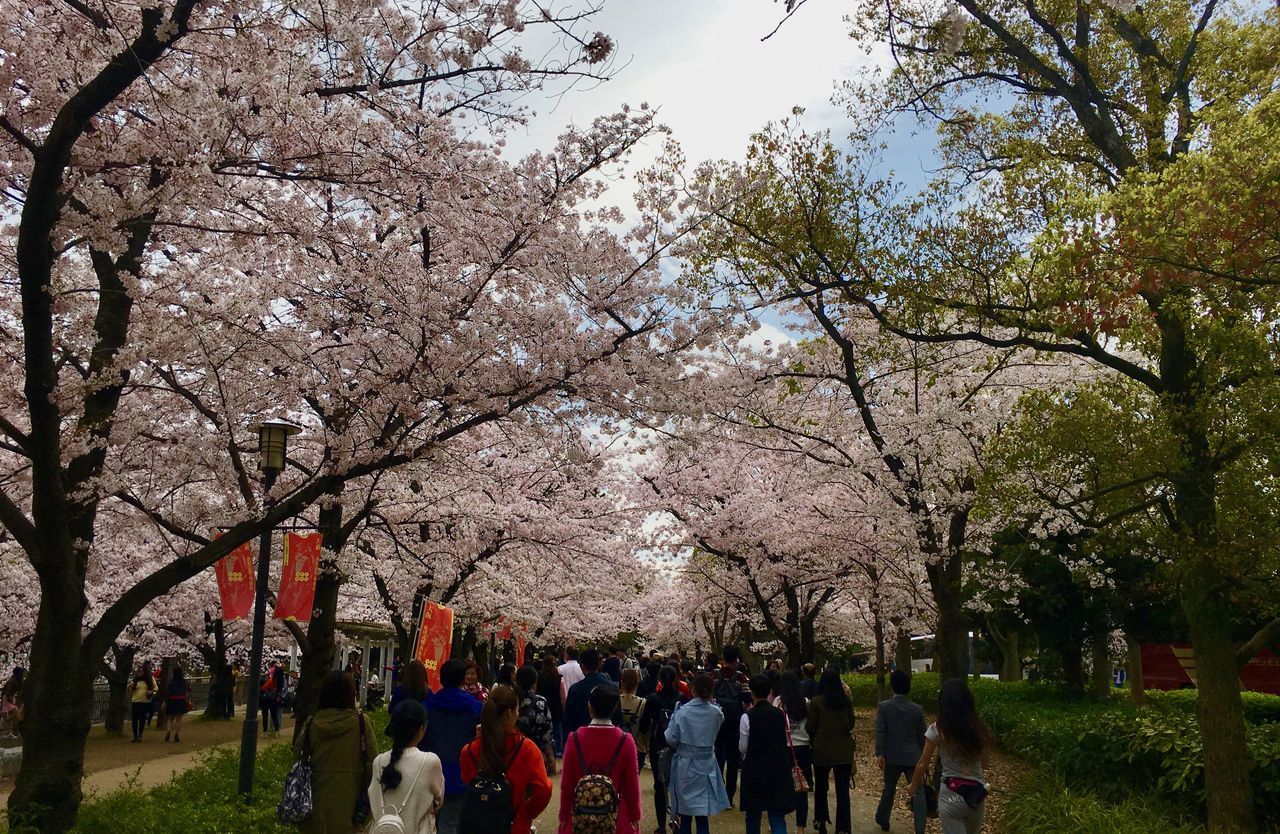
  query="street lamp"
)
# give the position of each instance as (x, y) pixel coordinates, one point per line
(273, 442)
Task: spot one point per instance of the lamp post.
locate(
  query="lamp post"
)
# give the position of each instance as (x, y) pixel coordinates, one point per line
(273, 441)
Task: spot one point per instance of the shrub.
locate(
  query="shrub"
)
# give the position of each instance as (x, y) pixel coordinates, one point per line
(924, 689)
(1044, 805)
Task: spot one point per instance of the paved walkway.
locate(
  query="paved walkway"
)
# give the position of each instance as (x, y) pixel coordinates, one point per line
(110, 762)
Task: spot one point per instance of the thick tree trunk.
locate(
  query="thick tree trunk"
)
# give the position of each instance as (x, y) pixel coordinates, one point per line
(59, 699)
(902, 651)
(951, 639)
(1011, 658)
(1226, 757)
(877, 630)
(1137, 686)
(1073, 668)
(1100, 660)
(319, 655)
(117, 674)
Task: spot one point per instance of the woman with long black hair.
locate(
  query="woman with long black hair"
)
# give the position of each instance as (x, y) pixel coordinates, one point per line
(963, 743)
(792, 702)
(830, 729)
(654, 718)
(502, 751)
(407, 781)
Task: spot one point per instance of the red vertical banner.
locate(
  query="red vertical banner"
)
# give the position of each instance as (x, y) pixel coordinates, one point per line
(298, 576)
(521, 645)
(435, 640)
(235, 583)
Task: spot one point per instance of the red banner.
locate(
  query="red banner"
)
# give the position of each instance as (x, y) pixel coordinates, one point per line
(521, 645)
(235, 583)
(435, 640)
(298, 576)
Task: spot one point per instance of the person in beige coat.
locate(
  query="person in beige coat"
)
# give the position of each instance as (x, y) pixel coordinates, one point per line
(406, 781)
(342, 753)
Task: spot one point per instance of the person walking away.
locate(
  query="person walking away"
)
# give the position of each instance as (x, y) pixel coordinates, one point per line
(535, 716)
(830, 728)
(612, 665)
(140, 693)
(177, 703)
(570, 671)
(472, 684)
(12, 708)
(731, 695)
(575, 705)
(654, 720)
(963, 744)
(452, 716)
(506, 676)
(549, 688)
(412, 686)
(809, 680)
(649, 680)
(342, 753)
(767, 786)
(697, 788)
(631, 706)
(791, 700)
(900, 738)
(501, 752)
(277, 684)
(600, 750)
(406, 781)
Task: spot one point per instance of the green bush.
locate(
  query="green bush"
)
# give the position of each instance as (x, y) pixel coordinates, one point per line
(924, 689)
(203, 800)
(1259, 708)
(1044, 805)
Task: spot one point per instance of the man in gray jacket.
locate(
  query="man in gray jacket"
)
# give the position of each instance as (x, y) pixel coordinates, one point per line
(900, 731)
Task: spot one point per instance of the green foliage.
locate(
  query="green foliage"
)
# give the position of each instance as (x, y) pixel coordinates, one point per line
(1043, 804)
(203, 800)
(924, 690)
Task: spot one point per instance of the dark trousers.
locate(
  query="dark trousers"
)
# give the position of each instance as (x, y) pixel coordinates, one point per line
(686, 825)
(844, 817)
(919, 805)
(777, 822)
(138, 717)
(270, 713)
(229, 703)
(557, 737)
(804, 758)
(730, 759)
(659, 798)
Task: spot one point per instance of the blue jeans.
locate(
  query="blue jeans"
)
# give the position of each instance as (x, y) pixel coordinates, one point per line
(777, 822)
(686, 825)
(557, 737)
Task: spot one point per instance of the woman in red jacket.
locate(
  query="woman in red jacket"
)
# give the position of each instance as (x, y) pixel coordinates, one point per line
(602, 748)
(500, 750)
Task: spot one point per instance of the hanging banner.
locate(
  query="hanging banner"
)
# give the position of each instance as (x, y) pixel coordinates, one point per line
(502, 628)
(235, 583)
(521, 645)
(298, 576)
(435, 640)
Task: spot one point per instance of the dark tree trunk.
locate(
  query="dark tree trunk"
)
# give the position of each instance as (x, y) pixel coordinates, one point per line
(220, 680)
(1137, 686)
(1011, 658)
(117, 674)
(1101, 663)
(59, 698)
(902, 650)
(1073, 668)
(951, 638)
(877, 629)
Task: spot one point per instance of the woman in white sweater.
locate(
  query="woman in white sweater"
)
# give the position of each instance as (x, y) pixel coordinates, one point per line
(407, 781)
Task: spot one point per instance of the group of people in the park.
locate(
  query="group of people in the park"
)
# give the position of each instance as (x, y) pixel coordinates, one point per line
(471, 759)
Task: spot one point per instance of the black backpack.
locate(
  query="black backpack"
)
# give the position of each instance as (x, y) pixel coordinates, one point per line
(488, 805)
(728, 695)
(658, 729)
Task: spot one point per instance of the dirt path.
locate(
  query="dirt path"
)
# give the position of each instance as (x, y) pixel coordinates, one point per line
(110, 762)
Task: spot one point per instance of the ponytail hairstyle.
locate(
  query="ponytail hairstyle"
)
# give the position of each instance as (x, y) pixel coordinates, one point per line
(407, 719)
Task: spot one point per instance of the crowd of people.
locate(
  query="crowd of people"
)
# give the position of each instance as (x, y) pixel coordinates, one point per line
(474, 759)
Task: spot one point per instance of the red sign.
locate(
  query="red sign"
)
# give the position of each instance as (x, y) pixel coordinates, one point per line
(435, 640)
(521, 645)
(298, 576)
(235, 583)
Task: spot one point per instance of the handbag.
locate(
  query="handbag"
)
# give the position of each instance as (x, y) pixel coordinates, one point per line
(360, 815)
(797, 772)
(296, 805)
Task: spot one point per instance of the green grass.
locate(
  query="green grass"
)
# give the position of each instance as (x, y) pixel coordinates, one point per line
(1043, 804)
(203, 800)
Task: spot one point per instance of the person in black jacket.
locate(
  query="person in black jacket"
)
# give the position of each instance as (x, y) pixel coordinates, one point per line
(900, 729)
(575, 703)
(767, 787)
(654, 718)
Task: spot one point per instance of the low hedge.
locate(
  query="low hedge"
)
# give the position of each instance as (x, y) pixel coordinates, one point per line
(203, 800)
(1043, 804)
(1111, 747)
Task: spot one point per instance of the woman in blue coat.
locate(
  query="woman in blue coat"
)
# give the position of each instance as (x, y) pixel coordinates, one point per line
(697, 788)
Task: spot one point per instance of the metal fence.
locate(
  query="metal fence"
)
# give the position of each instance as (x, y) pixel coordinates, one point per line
(102, 694)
